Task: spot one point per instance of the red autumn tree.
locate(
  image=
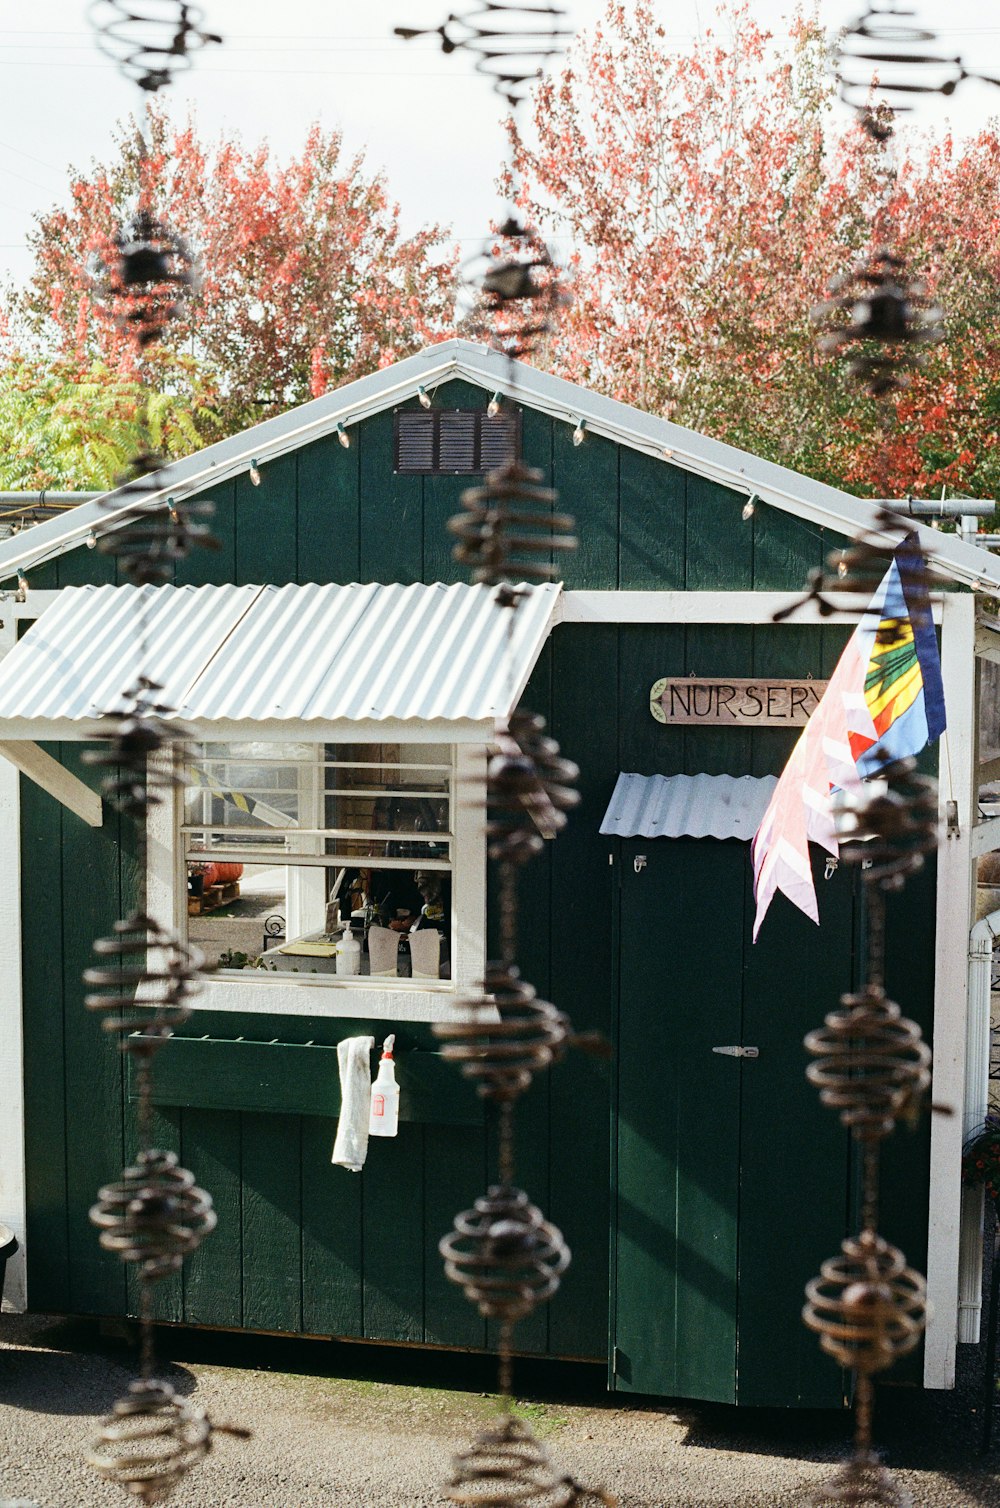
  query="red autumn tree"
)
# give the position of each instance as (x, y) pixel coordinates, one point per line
(711, 198)
(306, 278)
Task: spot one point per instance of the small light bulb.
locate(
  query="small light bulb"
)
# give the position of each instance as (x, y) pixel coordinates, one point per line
(750, 507)
(424, 397)
(842, 566)
(255, 473)
(91, 541)
(343, 437)
(21, 594)
(667, 452)
(578, 433)
(493, 407)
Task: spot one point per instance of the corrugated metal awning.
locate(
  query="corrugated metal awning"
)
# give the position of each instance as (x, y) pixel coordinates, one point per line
(687, 806)
(291, 653)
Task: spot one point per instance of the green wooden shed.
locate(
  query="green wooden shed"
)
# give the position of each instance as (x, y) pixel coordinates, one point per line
(338, 680)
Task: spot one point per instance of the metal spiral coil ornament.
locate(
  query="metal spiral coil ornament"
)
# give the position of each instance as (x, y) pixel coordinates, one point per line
(142, 968)
(154, 1215)
(508, 1467)
(152, 1439)
(861, 565)
(504, 1256)
(530, 787)
(889, 824)
(862, 1483)
(137, 751)
(504, 1036)
(508, 529)
(517, 288)
(867, 1306)
(147, 533)
(872, 1064)
(145, 279)
(887, 56)
(512, 44)
(150, 40)
(884, 318)
(858, 569)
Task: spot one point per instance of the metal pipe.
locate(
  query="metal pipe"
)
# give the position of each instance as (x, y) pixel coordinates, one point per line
(943, 507)
(46, 499)
(977, 1094)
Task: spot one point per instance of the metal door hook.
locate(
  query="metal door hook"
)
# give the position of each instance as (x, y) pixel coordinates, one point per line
(639, 863)
(738, 1052)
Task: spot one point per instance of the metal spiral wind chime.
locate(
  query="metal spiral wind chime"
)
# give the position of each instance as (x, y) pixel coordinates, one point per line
(885, 60)
(503, 1254)
(144, 976)
(870, 1063)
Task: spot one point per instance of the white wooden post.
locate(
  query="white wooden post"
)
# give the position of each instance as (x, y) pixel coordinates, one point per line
(958, 784)
(13, 1202)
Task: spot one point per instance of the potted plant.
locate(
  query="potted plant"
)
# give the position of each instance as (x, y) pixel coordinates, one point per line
(981, 1158)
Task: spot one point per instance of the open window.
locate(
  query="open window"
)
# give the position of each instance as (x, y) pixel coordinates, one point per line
(329, 878)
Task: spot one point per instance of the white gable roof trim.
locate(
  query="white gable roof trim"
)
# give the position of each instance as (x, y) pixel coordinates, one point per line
(825, 506)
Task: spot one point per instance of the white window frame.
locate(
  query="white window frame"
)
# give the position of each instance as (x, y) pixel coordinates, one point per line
(267, 993)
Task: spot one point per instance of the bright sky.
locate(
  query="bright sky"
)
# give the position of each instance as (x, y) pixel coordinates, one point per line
(424, 117)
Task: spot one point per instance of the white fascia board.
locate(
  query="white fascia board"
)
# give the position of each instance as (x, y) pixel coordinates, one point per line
(713, 459)
(276, 730)
(787, 490)
(703, 607)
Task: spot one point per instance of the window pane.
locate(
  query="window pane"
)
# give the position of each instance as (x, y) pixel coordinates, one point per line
(241, 913)
(296, 837)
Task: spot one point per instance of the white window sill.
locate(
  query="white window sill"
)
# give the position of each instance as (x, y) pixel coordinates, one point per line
(371, 1000)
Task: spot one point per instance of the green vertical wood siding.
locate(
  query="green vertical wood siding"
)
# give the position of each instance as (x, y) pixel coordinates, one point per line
(302, 1246)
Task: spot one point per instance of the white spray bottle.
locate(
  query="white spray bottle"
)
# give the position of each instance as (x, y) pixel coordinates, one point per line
(384, 1119)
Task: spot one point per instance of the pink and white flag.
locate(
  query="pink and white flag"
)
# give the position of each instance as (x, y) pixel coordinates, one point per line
(800, 808)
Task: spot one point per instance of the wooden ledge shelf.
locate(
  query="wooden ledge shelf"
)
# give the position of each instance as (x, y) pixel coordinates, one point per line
(286, 1078)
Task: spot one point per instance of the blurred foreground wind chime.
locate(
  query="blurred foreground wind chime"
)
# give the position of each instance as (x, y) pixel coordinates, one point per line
(870, 1063)
(145, 977)
(504, 1255)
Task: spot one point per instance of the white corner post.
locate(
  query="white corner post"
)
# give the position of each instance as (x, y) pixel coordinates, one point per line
(13, 1201)
(958, 790)
(977, 1095)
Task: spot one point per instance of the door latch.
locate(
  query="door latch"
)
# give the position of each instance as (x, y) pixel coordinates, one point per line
(639, 863)
(738, 1052)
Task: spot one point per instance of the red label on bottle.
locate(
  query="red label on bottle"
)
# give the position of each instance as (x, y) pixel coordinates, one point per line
(378, 1104)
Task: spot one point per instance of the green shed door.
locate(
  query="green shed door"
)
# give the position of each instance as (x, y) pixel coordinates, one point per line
(732, 1182)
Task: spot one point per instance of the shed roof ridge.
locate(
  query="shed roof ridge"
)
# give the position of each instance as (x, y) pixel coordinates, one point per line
(715, 460)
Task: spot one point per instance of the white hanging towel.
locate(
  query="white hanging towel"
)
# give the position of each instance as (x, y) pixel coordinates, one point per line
(351, 1146)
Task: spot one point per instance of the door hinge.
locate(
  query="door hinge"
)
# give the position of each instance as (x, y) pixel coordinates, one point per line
(738, 1052)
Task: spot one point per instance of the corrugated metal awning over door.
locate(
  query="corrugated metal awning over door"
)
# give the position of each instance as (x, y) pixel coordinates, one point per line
(290, 654)
(687, 806)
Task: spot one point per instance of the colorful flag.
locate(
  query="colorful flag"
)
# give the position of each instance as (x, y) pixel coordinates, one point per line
(884, 698)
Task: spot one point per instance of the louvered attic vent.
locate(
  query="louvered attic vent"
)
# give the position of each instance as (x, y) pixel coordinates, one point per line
(447, 442)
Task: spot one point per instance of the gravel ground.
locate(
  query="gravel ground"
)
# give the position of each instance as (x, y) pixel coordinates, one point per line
(349, 1441)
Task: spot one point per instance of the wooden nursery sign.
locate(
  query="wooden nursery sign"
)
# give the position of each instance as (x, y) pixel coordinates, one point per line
(734, 703)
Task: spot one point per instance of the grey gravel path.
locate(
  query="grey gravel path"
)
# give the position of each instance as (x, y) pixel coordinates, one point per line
(361, 1444)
